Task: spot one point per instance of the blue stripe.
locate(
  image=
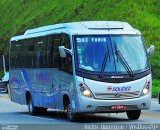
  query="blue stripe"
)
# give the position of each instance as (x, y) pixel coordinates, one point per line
(45, 100)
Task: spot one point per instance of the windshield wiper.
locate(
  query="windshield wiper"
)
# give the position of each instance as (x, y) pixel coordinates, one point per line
(104, 63)
(123, 61)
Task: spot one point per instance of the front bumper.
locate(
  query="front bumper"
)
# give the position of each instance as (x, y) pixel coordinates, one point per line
(91, 105)
(3, 86)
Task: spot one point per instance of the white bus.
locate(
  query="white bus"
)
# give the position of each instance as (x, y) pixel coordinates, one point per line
(81, 67)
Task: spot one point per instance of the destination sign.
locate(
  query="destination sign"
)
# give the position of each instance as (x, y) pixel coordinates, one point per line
(91, 39)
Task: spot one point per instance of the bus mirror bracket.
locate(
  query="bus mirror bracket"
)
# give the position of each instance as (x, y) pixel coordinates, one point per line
(63, 50)
(151, 50)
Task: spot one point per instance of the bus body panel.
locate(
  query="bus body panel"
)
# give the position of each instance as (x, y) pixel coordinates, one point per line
(46, 86)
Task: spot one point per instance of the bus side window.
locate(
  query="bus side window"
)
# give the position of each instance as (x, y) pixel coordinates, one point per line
(55, 52)
(66, 64)
(17, 55)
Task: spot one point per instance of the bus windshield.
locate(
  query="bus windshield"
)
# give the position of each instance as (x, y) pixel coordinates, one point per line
(125, 54)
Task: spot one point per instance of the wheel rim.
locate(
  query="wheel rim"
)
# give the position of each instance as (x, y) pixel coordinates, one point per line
(30, 106)
(69, 112)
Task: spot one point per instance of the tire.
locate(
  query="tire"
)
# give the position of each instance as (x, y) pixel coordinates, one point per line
(32, 109)
(71, 116)
(42, 111)
(133, 115)
(6, 88)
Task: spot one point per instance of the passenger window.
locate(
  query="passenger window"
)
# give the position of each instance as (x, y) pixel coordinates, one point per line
(56, 44)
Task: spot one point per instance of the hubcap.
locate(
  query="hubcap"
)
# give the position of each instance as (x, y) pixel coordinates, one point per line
(69, 112)
(30, 106)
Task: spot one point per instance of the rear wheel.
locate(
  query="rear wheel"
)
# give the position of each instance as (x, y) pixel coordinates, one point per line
(42, 110)
(133, 115)
(32, 109)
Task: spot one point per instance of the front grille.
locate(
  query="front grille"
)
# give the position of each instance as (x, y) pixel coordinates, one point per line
(117, 95)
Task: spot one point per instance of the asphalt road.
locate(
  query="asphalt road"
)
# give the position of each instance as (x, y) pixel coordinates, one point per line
(12, 113)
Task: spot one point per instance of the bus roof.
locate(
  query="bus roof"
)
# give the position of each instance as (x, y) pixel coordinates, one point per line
(81, 28)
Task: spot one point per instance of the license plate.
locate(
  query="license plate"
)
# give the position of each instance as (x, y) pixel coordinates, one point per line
(117, 107)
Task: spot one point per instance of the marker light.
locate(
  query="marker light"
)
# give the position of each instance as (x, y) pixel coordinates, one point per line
(146, 88)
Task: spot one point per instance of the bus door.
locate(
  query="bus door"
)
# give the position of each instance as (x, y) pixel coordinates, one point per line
(39, 81)
(65, 79)
(48, 91)
(51, 89)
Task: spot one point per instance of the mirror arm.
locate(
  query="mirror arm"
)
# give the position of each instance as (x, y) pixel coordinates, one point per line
(148, 50)
(68, 51)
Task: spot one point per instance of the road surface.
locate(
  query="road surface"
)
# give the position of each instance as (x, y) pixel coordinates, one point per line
(12, 113)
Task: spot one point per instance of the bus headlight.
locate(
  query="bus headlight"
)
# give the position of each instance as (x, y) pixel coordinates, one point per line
(146, 89)
(85, 90)
(87, 93)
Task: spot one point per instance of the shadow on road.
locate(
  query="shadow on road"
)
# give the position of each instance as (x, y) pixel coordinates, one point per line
(85, 118)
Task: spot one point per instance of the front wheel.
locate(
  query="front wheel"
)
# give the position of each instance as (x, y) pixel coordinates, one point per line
(133, 115)
(70, 114)
(32, 109)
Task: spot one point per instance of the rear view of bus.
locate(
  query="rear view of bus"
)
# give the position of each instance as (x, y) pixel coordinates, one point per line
(112, 69)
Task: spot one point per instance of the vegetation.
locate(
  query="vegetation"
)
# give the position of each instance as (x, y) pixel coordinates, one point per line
(18, 15)
(155, 88)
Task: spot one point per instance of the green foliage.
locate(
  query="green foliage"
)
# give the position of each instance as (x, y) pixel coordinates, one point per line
(18, 15)
(1, 73)
(155, 88)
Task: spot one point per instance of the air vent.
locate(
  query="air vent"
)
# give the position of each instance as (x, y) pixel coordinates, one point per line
(119, 95)
(103, 25)
(117, 80)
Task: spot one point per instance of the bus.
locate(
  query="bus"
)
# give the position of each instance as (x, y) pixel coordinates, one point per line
(81, 67)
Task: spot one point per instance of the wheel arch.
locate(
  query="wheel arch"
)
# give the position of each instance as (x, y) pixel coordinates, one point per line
(28, 96)
(66, 101)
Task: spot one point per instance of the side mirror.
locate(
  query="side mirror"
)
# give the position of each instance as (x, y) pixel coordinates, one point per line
(63, 50)
(151, 50)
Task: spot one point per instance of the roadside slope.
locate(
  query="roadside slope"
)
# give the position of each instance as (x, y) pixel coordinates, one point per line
(18, 15)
